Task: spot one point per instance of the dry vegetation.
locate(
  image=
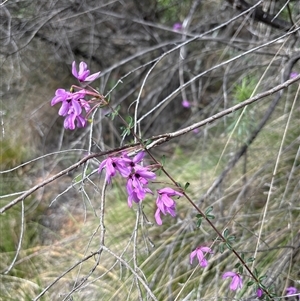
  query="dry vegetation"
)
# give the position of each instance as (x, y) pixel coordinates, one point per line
(245, 164)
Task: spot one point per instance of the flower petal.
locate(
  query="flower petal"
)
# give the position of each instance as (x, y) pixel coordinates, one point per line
(157, 217)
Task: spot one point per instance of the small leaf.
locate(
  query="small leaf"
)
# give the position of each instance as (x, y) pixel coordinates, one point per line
(262, 278)
(129, 120)
(237, 265)
(251, 259)
(241, 269)
(228, 245)
(199, 222)
(225, 233)
(147, 142)
(231, 238)
(209, 210)
(221, 248)
(250, 283)
(187, 184)
(210, 216)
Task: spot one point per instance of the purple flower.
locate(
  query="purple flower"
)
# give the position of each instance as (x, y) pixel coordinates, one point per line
(236, 281)
(185, 103)
(291, 291)
(177, 26)
(84, 104)
(259, 292)
(199, 252)
(60, 95)
(137, 184)
(113, 164)
(69, 122)
(72, 103)
(293, 74)
(132, 162)
(83, 74)
(165, 204)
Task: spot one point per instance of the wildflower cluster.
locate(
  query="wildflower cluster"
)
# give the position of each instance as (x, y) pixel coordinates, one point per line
(74, 103)
(138, 177)
(76, 106)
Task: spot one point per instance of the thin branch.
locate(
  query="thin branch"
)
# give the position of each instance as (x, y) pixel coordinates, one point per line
(157, 140)
(260, 15)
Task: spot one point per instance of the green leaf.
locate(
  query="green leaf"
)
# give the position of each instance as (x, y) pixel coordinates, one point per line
(187, 184)
(250, 283)
(237, 265)
(231, 238)
(262, 278)
(209, 210)
(228, 245)
(251, 259)
(199, 221)
(221, 248)
(129, 120)
(225, 233)
(147, 141)
(241, 269)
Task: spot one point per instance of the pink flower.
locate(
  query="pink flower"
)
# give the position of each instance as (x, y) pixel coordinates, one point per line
(69, 122)
(71, 108)
(236, 281)
(177, 26)
(291, 291)
(70, 102)
(132, 162)
(199, 252)
(293, 74)
(137, 184)
(259, 292)
(83, 74)
(185, 103)
(165, 204)
(112, 165)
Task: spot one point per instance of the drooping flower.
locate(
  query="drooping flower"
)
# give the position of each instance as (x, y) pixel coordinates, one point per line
(61, 95)
(112, 165)
(259, 292)
(177, 26)
(135, 160)
(165, 204)
(69, 122)
(137, 184)
(199, 252)
(293, 74)
(186, 104)
(72, 104)
(83, 74)
(236, 281)
(291, 291)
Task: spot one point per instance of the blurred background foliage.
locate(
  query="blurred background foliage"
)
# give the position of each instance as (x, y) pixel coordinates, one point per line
(124, 39)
